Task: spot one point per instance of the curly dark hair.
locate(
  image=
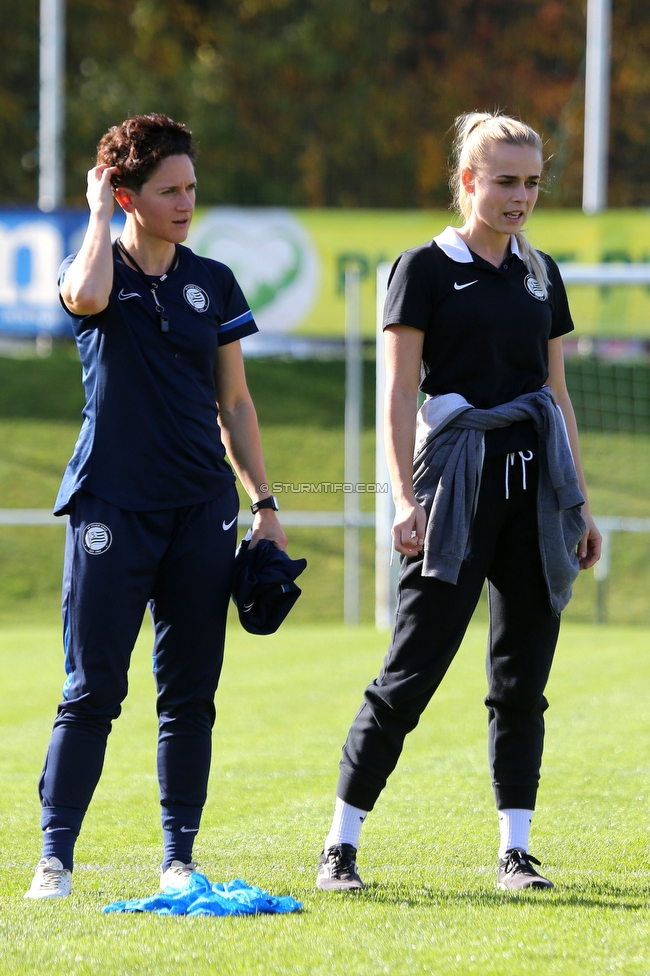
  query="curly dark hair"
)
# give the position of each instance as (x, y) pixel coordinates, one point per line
(139, 144)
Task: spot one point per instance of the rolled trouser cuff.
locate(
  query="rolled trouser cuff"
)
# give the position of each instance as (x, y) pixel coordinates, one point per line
(515, 797)
(356, 790)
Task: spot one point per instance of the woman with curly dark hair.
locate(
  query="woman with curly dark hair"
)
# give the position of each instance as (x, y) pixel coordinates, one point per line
(151, 501)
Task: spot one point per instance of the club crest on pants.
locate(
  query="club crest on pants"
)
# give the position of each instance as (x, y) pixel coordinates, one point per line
(96, 538)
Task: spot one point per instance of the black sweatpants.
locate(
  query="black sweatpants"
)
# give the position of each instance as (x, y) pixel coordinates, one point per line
(430, 623)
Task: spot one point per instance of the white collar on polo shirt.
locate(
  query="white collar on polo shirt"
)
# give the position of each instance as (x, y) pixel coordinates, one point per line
(456, 248)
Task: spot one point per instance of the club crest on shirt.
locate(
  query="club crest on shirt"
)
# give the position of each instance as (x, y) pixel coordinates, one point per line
(534, 288)
(196, 297)
(96, 538)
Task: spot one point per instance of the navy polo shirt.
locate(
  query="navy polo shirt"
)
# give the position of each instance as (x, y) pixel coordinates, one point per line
(150, 436)
(486, 329)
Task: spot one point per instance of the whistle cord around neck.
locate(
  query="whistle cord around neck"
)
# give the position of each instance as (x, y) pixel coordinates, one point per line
(151, 285)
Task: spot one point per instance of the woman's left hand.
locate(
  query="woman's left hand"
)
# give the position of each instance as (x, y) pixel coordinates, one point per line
(267, 526)
(590, 545)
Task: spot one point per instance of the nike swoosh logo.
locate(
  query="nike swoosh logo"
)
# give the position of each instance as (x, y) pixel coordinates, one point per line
(228, 525)
(189, 830)
(460, 287)
(123, 295)
(248, 608)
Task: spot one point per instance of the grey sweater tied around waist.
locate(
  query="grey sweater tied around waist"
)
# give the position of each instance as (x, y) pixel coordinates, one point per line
(449, 452)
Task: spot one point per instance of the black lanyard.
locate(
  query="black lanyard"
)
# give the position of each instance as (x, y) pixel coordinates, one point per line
(151, 285)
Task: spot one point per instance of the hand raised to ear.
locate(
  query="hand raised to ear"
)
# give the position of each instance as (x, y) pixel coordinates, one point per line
(99, 191)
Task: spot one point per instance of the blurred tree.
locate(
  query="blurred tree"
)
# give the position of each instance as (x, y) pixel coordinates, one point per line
(19, 101)
(328, 102)
(630, 107)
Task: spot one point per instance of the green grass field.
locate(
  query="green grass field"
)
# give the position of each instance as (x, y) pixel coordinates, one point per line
(428, 850)
(33, 454)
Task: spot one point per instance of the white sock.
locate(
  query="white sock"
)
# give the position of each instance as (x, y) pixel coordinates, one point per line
(346, 825)
(514, 827)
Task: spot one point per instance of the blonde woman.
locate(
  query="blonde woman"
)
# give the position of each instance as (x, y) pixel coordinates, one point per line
(487, 484)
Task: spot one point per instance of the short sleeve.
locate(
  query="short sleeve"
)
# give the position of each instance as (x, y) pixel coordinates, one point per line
(237, 321)
(562, 322)
(409, 300)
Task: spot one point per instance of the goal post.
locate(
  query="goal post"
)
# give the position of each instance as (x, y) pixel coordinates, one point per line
(610, 391)
(385, 570)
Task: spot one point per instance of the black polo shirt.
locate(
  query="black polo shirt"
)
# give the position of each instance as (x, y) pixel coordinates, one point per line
(150, 437)
(486, 329)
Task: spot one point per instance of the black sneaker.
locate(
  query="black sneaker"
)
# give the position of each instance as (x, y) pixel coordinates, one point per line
(517, 872)
(337, 869)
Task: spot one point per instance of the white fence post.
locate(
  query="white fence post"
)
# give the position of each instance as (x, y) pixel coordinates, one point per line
(352, 478)
(597, 72)
(384, 508)
(50, 126)
(601, 573)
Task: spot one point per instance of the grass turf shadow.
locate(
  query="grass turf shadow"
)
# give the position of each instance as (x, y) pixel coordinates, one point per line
(606, 897)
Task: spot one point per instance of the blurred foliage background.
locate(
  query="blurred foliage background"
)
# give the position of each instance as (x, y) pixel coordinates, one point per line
(326, 102)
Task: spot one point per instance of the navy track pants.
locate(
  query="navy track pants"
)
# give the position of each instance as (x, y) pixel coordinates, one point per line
(180, 563)
(430, 623)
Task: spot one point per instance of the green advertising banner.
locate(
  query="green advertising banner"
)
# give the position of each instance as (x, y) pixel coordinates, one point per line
(291, 263)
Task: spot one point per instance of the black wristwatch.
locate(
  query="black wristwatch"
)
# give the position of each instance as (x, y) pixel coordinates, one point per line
(270, 502)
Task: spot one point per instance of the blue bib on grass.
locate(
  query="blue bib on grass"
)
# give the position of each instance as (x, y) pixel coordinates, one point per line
(199, 897)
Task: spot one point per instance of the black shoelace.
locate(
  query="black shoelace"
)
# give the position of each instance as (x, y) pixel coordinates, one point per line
(343, 860)
(518, 858)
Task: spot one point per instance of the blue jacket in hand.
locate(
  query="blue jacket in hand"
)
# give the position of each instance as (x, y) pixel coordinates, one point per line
(263, 589)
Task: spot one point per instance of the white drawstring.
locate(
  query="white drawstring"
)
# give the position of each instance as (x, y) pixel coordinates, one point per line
(510, 460)
(522, 455)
